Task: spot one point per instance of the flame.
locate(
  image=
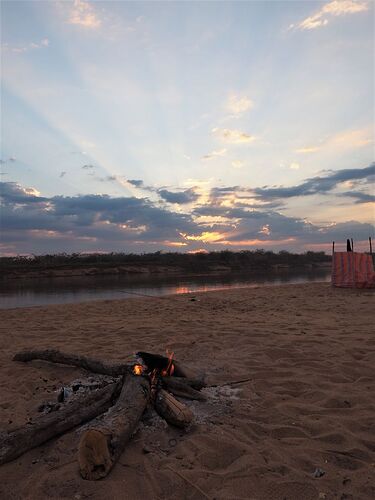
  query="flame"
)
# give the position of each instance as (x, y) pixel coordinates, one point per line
(170, 367)
(137, 369)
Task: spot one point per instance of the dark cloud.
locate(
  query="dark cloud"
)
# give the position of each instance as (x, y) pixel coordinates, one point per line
(108, 178)
(179, 197)
(135, 182)
(102, 222)
(316, 185)
(359, 196)
(12, 193)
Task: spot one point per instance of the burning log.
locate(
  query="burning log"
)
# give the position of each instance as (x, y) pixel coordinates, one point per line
(172, 410)
(77, 410)
(89, 364)
(102, 444)
(179, 387)
(161, 363)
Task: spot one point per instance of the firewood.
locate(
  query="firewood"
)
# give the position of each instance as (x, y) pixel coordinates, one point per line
(195, 383)
(178, 387)
(102, 444)
(77, 409)
(172, 410)
(89, 364)
(161, 362)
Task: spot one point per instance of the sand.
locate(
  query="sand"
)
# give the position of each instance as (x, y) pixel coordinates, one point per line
(308, 350)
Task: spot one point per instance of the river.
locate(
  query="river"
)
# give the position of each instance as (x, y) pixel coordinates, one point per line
(45, 291)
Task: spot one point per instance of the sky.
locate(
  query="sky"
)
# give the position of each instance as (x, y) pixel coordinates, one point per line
(186, 126)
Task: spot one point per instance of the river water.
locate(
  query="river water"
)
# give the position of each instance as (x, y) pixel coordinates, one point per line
(45, 291)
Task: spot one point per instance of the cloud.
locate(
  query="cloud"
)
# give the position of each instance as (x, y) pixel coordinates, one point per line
(237, 164)
(214, 154)
(232, 136)
(42, 44)
(181, 198)
(8, 160)
(307, 150)
(294, 166)
(359, 196)
(135, 182)
(32, 223)
(238, 105)
(316, 185)
(84, 14)
(332, 9)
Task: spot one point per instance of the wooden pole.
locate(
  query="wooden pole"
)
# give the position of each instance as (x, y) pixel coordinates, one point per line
(369, 240)
(333, 247)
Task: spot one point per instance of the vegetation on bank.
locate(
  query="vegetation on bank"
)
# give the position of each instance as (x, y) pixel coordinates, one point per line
(256, 260)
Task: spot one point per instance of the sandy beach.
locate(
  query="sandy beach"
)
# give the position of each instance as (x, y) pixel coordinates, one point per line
(307, 350)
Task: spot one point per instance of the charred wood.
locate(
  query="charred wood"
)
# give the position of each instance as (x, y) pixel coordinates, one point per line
(178, 387)
(155, 361)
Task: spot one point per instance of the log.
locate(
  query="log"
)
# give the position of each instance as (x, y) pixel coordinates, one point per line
(195, 383)
(179, 387)
(89, 364)
(161, 362)
(172, 410)
(102, 444)
(77, 409)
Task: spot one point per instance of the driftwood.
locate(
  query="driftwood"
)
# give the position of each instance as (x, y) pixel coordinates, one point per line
(89, 364)
(76, 410)
(179, 387)
(172, 410)
(102, 444)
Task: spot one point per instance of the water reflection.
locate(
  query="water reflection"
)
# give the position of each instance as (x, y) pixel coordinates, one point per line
(25, 293)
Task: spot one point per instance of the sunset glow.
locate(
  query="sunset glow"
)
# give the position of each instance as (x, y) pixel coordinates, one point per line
(186, 126)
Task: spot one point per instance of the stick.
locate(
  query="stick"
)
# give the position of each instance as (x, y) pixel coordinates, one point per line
(77, 409)
(102, 444)
(89, 364)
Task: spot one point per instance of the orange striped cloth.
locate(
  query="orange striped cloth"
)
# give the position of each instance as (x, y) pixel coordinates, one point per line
(352, 269)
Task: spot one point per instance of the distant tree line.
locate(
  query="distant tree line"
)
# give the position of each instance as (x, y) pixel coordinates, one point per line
(187, 262)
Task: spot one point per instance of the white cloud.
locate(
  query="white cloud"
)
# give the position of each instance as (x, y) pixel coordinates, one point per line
(334, 8)
(214, 154)
(84, 14)
(238, 105)
(237, 164)
(265, 230)
(352, 139)
(25, 48)
(294, 166)
(232, 136)
(307, 150)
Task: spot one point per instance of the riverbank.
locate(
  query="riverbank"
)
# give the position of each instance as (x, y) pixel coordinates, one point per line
(308, 349)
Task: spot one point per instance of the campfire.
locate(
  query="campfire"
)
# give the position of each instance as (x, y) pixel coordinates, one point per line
(113, 403)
